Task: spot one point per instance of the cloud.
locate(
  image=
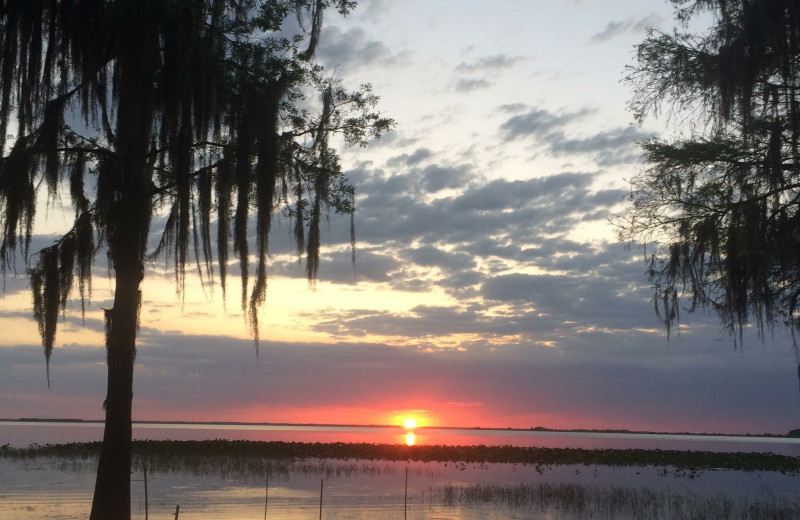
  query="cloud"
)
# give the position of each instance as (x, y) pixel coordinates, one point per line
(611, 147)
(352, 49)
(372, 265)
(511, 108)
(538, 122)
(487, 65)
(435, 178)
(419, 155)
(551, 131)
(501, 221)
(216, 378)
(472, 243)
(470, 85)
(432, 256)
(444, 228)
(502, 194)
(490, 63)
(616, 28)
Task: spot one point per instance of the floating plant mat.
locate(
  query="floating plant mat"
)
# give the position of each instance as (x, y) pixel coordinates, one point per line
(237, 479)
(253, 453)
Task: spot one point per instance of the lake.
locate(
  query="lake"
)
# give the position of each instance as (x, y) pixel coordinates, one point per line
(383, 490)
(20, 434)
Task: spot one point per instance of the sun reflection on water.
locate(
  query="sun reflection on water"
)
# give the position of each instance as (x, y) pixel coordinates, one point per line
(411, 439)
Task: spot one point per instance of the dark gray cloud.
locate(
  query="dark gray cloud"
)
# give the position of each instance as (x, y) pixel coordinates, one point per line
(502, 194)
(578, 301)
(471, 84)
(490, 63)
(611, 139)
(372, 265)
(469, 245)
(673, 382)
(539, 122)
(432, 256)
(353, 49)
(499, 223)
(421, 323)
(435, 178)
(551, 131)
(604, 379)
(417, 156)
(512, 108)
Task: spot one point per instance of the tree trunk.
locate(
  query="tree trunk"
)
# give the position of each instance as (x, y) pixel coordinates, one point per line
(128, 223)
(112, 490)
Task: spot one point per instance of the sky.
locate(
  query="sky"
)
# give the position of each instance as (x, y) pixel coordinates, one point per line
(489, 288)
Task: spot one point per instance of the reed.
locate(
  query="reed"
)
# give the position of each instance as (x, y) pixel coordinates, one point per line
(575, 501)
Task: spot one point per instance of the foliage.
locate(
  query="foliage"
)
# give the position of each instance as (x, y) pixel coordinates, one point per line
(718, 202)
(199, 113)
(202, 105)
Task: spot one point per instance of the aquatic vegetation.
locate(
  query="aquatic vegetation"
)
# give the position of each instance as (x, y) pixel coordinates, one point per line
(443, 477)
(575, 502)
(254, 454)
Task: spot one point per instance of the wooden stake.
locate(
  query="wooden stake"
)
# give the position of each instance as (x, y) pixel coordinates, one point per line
(144, 466)
(266, 496)
(405, 497)
(321, 481)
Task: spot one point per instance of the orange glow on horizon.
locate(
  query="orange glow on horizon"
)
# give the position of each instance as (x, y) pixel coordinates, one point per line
(430, 414)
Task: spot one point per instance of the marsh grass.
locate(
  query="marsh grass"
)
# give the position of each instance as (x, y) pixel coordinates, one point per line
(578, 502)
(691, 463)
(225, 461)
(250, 461)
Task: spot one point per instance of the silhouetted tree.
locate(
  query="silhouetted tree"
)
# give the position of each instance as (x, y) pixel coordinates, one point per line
(196, 110)
(718, 202)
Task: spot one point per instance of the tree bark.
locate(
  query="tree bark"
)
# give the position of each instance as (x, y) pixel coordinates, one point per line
(128, 223)
(113, 485)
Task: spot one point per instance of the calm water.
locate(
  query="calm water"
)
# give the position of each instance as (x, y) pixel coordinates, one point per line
(25, 433)
(58, 489)
(61, 489)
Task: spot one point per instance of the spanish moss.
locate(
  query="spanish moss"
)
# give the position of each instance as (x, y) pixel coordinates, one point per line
(718, 204)
(181, 112)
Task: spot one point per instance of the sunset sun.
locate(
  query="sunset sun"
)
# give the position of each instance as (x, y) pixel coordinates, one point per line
(410, 423)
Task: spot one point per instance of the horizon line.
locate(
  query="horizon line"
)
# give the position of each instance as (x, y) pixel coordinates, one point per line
(430, 427)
